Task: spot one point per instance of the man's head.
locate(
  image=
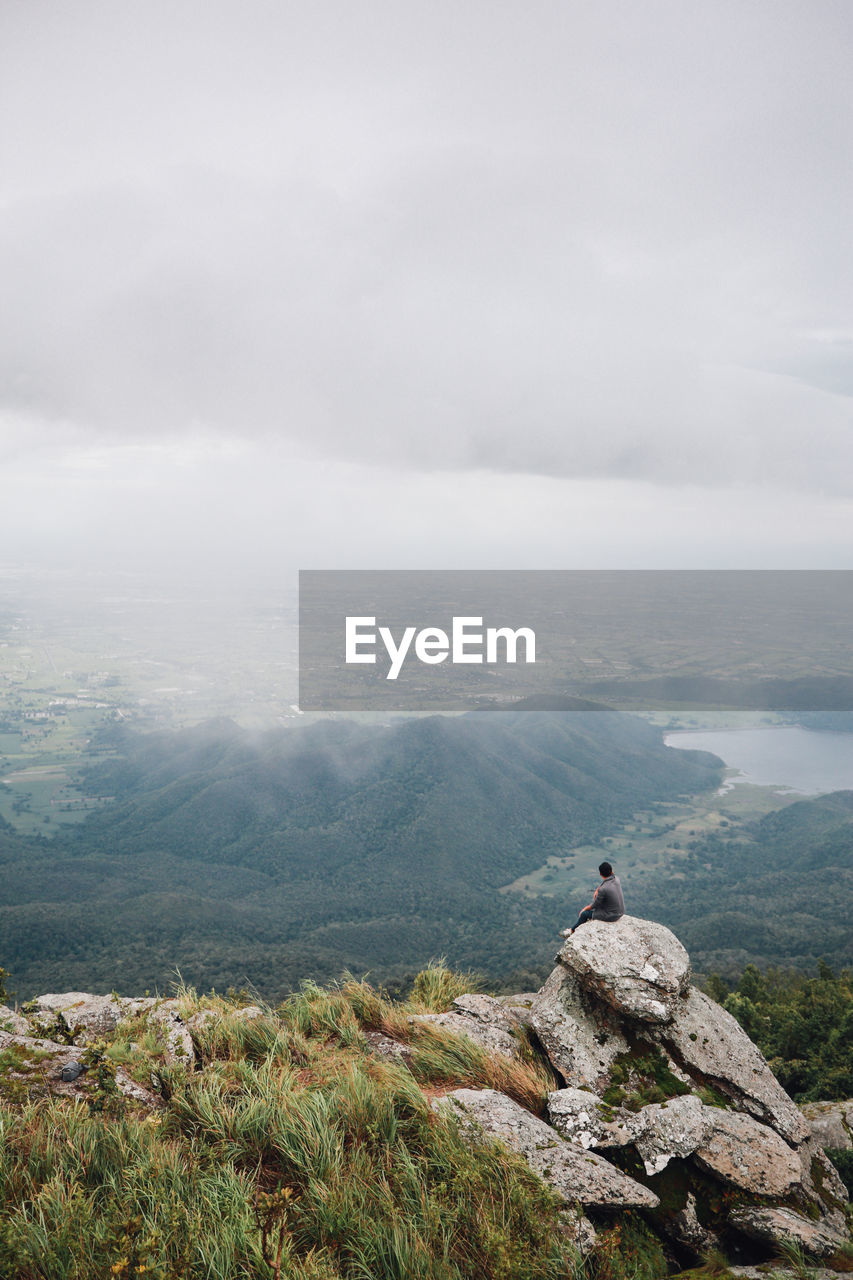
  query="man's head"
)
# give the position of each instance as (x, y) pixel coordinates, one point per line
(605, 870)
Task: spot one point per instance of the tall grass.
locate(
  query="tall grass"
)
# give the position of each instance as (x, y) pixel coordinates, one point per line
(441, 1058)
(84, 1198)
(377, 1185)
(291, 1151)
(438, 1057)
(318, 1011)
(436, 987)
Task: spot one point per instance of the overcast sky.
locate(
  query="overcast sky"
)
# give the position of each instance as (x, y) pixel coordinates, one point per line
(433, 284)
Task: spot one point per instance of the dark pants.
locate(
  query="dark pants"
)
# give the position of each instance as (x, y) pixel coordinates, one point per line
(585, 915)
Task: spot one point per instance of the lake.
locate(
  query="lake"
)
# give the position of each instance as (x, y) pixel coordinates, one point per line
(785, 756)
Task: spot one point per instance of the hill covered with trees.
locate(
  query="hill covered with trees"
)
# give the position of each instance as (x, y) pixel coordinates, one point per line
(776, 891)
(269, 858)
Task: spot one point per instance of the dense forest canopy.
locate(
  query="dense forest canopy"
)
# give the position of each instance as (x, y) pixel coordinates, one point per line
(262, 859)
(270, 858)
(803, 1026)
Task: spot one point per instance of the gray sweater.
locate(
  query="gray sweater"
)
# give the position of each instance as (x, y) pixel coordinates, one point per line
(609, 903)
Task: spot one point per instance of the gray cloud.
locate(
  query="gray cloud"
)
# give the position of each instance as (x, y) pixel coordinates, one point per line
(608, 243)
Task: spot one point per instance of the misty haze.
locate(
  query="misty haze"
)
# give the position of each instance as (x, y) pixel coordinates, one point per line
(537, 314)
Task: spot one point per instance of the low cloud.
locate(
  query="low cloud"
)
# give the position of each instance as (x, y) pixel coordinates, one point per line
(606, 246)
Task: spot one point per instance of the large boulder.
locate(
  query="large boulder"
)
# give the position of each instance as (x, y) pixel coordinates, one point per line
(637, 967)
(775, 1225)
(831, 1123)
(713, 1048)
(577, 1176)
(749, 1155)
(581, 1039)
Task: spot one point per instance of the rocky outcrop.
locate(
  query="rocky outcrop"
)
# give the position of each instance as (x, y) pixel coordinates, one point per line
(576, 1226)
(661, 1080)
(491, 1038)
(387, 1047)
(130, 1088)
(519, 1005)
(636, 966)
(670, 1131)
(577, 1176)
(686, 1230)
(205, 1017)
(749, 1155)
(830, 1123)
(733, 1146)
(491, 1012)
(581, 1117)
(38, 1068)
(96, 1016)
(781, 1225)
(713, 1048)
(34, 1066)
(12, 1021)
(666, 1108)
(172, 1032)
(49, 1041)
(582, 1041)
(781, 1272)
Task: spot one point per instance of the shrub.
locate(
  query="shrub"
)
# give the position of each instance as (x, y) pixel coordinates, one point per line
(436, 987)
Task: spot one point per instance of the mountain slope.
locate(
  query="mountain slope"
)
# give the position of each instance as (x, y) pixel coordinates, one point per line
(779, 890)
(337, 844)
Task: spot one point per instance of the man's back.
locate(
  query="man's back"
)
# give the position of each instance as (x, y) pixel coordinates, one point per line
(609, 903)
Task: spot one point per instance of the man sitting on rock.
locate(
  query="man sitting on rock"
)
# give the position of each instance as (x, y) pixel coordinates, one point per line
(607, 901)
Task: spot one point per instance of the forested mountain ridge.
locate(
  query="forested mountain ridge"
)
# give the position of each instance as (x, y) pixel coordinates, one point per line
(776, 891)
(291, 854)
(448, 782)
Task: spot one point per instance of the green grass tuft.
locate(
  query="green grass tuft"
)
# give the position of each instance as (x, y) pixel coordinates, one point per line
(290, 1152)
(436, 987)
